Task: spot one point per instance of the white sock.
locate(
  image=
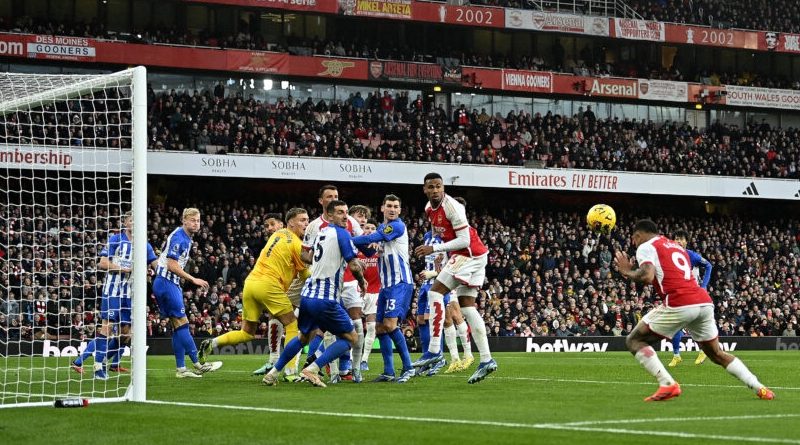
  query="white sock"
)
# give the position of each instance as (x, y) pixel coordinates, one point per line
(436, 322)
(328, 340)
(359, 346)
(369, 340)
(463, 334)
(478, 328)
(450, 339)
(274, 335)
(649, 360)
(738, 369)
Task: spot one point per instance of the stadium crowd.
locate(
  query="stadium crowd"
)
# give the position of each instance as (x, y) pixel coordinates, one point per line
(378, 125)
(547, 275)
(589, 61)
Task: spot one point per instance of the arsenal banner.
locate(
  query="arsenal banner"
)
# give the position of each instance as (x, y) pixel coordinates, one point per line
(663, 90)
(413, 72)
(548, 21)
(639, 30)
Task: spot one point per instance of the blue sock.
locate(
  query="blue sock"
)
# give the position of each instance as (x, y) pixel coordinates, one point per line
(345, 362)
(188, 342)
(101, 348)
(113, 352)
(289, 351)
(314, 344)
(676, 342)
(387, 353)
(400, 343)
(90, 347)
(424, 336)
(338, 347)
(179, 349)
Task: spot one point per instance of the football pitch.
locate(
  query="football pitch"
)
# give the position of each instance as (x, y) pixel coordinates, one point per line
(533, 398)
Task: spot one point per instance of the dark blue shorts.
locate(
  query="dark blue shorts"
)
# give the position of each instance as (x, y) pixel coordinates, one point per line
(169, 298)
(327, 315)
(422, 299)
(394, 301)
(115, 309)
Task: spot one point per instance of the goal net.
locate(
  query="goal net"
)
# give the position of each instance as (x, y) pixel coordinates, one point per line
(72, 164)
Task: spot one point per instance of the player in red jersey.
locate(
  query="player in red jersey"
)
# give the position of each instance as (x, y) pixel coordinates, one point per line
(373, 277)
(465, 272)
(666, 265)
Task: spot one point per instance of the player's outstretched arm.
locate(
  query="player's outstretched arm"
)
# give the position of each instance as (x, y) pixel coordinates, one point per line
(707, 268)
(357, 268)
(644, 274)
(461, 241)
(174, 267)
(106, 264)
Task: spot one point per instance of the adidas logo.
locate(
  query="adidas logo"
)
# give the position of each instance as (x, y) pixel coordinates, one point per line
(797, 195)
(751, 190)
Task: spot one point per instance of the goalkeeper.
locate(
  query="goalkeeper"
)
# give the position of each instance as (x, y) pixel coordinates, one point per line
(278, 265)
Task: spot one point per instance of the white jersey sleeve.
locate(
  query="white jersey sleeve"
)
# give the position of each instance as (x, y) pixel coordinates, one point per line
(456, 213)
(311, 233)
(646, 253)
(357, 230)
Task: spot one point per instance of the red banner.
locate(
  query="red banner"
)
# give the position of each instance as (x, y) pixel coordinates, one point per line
(701, 35)
(458, 15)
(321, 6)
(413, 72)
(596, 86)
(258, 62)
(779, 42)
(388, 9)
(338, 68)
(530, 81)
(78, 49)
(706, 94)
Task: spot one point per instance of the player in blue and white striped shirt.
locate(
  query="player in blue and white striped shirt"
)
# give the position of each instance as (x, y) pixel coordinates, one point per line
(331, 251)
(115, 307)
(167, 289)
(397, 287)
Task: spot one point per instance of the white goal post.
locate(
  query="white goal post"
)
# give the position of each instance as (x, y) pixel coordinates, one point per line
(73, 162)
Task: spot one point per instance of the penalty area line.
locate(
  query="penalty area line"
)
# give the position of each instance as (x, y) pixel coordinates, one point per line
(541, 426)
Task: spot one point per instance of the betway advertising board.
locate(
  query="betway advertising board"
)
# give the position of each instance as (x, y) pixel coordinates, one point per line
(533, 345)
(356, 170)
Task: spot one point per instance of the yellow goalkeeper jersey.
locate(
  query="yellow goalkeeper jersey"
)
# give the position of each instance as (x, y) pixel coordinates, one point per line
(280, 259)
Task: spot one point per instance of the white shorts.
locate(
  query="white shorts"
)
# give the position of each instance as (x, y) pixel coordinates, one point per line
(350, 295)
(370, 304)
(697, 320)
(464, 275)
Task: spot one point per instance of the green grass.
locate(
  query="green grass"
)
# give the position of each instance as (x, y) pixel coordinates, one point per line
(528, 400)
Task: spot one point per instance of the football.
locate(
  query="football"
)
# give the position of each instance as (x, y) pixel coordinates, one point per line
(601, 218)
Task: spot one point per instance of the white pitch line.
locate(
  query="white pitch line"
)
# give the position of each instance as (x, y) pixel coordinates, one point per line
(342, 414)
(585, 381)
(678, 419)
(540, 426)
(679, 434)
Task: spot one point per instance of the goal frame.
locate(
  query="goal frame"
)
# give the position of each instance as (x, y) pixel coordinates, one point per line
(137, 389)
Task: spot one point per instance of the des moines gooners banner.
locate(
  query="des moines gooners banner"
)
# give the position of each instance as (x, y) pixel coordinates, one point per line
(413, 72)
